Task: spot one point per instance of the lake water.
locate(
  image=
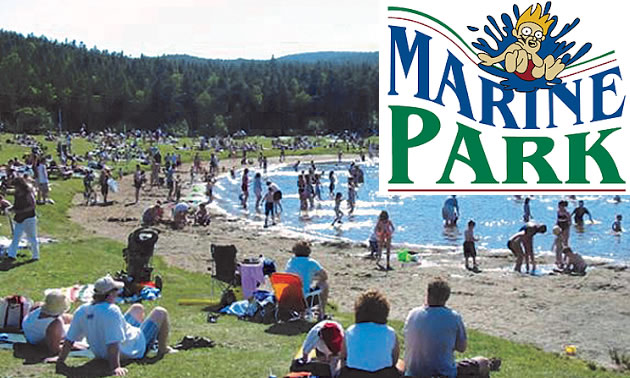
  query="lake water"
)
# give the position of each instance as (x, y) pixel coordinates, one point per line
(418, 219)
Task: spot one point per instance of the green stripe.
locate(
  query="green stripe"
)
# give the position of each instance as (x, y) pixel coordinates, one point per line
(590, 60)
(400, 9)
(434, 20)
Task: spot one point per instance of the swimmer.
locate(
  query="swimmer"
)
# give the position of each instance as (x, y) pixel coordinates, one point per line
(616, 226)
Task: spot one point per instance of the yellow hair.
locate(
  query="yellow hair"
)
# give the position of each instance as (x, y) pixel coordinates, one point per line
(536, 17)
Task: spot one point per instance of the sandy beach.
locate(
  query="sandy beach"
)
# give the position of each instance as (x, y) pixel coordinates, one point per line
(547, 311)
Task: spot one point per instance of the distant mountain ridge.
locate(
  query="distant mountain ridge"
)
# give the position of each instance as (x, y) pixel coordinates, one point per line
(310, 57)
(333, 56)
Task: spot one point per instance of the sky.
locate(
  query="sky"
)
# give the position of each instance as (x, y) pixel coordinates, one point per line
(221, 29)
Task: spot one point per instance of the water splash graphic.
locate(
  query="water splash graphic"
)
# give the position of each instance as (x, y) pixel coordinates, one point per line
(502, 37)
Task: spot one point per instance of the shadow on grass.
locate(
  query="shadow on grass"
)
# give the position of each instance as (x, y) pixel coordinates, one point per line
(290, 328)
(6, 265)
(100, 367)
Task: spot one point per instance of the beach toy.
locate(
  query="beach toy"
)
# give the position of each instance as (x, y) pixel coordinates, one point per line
(570, 350)
(403, 256)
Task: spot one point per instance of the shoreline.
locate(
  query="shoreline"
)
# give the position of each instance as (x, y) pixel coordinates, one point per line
(254, 225)
(546, 311)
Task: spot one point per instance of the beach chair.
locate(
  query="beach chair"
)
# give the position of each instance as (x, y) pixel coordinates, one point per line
(223, 267)
(287, 288)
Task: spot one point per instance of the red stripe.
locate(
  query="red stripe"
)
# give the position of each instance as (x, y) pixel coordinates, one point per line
(437, 31)
(575, 73)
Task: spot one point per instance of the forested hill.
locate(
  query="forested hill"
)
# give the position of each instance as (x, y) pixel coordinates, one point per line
(333, 57)
(40, 78)
(310, 57)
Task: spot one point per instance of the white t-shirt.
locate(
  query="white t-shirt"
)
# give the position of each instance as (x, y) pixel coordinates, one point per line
(103, 324)
(370, 346)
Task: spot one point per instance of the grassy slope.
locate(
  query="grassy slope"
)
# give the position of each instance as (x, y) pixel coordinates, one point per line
(244, 349)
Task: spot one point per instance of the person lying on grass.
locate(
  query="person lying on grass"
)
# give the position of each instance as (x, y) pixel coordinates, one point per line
(47, 324)
(111, 335)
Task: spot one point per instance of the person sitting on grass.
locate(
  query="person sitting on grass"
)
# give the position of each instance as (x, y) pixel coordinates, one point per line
(433, 332)
(202, 218)
(573, 262)
(370, 347)
(47, 325)
(111, 335)
(325, 338)
(309, 270)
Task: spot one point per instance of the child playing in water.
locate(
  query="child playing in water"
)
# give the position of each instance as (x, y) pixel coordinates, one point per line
(469, 246)
(338, 212)
(331, 187)
(556, 247)
(616, 226)
(269, 204)
(352, 195)
(384, 230)
(574, 263)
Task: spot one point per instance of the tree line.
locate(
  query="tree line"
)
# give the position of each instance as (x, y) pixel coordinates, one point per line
(43, 81)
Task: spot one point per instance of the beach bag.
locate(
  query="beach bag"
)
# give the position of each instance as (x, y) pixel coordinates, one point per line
(13, 309)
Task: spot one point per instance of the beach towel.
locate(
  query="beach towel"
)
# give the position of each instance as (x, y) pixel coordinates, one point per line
(80, 293)
(22, 349)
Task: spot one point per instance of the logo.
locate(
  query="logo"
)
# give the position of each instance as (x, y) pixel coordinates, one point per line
(531, 104)
(529, 56)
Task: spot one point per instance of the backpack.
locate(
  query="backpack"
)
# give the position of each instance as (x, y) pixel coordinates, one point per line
(13, 309)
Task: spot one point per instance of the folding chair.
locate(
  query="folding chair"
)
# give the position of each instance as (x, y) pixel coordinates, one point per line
(287, 288)
(223, 268)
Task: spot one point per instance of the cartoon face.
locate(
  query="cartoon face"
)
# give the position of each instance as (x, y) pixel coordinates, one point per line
(531, 34)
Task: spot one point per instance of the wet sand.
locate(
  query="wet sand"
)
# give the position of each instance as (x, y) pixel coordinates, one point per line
(548, 311)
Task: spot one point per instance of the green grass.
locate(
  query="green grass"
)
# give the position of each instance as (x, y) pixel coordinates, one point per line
(244, 349)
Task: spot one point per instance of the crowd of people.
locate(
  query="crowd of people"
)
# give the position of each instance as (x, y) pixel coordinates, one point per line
(432, 333)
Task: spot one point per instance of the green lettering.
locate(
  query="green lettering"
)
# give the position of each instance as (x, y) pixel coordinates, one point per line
(476, 157)
(515, 160)
(400, 143)
(605, 162)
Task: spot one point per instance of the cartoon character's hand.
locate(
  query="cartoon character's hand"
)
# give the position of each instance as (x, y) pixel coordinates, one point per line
(486, 59)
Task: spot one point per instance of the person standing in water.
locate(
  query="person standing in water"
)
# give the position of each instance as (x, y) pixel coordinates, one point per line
(258, 189)
(338, 212)
(579, 212)
(245, 188)
(352, 195)
(527, 214)
(564, 221)
(331, 187)
(450, 212)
